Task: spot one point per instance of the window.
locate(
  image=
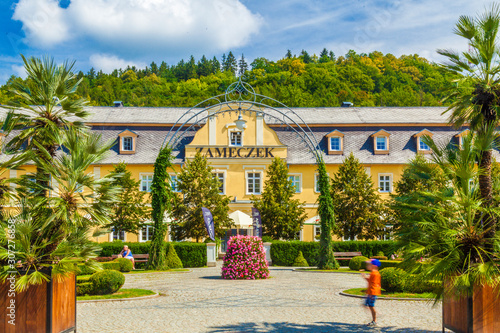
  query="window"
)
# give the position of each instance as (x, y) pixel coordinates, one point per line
(381, 143)
(335, 144)
(79, 188)
(220, 177)
(235, 138)
(422, 145)
(147, 233)
(127, 143)
(316, 183)
(146, 181)
(118, 234)
(296, 182)
(384, 183)
(317, 232)
(174, 181)
(253, 183)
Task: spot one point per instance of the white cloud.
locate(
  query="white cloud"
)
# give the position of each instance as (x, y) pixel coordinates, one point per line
(19, 71)
(108, 63)
(138, 26)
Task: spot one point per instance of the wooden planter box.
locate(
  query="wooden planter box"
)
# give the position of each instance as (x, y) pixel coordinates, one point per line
(45, 308)
(477, 314)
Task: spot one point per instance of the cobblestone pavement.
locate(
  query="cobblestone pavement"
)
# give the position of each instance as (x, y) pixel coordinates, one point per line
(200, 301)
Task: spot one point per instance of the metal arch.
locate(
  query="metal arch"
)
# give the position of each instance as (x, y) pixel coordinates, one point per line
(242, 93)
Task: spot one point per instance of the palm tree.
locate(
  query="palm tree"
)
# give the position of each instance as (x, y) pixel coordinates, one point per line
(476, 95)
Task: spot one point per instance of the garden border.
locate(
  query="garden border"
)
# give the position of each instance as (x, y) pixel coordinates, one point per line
(119, 299)
(341, 293)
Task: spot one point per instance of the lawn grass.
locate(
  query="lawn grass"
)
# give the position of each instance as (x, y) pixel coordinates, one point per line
(122, 293)
(138, 271)
(340, 270)
(362, 292)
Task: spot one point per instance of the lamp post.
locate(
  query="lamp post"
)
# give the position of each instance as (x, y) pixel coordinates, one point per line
(240, 123)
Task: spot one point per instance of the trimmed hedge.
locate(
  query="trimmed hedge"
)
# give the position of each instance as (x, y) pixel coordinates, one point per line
(107, 282)
(300, 261)
(112, 265)
(125, 264)
(172, 259)
(393, 279)
(284, 253)
(84, 288)
(389, 263)
(191, 254)
(83, 269)
(358, 263)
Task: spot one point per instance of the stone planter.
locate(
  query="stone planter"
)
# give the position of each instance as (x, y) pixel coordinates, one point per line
(45, 308)
(477, 314)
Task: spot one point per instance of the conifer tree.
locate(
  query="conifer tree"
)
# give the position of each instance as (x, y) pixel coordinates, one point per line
(358, 207)
(230, 65)
(282, 216)
(243, 66)
(204, 67)
(323, 56)
(130, 211)
(288, 54)
(215, 65)
(306, 58)
(199, 188)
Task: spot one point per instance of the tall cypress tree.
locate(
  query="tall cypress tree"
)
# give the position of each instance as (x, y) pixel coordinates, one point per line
(243, 66)
(326, 212)
(230, 65)
(282, 216)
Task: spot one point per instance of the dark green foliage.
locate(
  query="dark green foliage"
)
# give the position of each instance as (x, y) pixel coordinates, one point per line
(389, 263)
(393, 279)
(161, 202)
(379, 257)
(358, 207)
(84, 288)
(125, 264)
(172, 260)
(326, 214)
(84, 270)
(107, 282)
(358, 263)
(300, 261)
(284, 253)
(111, 248)
(199, 188)
(130, 211)
(192, 254)
(112, 265)
(282, 215)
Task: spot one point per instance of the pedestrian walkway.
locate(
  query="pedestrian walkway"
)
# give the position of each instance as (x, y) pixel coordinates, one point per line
(199, 301)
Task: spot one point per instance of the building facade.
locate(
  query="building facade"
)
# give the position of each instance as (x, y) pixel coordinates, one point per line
(384, 139)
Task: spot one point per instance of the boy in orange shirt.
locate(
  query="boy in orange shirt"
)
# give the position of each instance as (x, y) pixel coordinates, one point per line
(373, 289)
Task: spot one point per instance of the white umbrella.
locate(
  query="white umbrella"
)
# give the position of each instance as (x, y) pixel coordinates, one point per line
(241, 220)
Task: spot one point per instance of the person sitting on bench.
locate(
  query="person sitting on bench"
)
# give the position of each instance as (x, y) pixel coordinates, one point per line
(127, 254)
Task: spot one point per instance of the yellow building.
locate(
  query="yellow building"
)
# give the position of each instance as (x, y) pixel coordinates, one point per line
(384, 139)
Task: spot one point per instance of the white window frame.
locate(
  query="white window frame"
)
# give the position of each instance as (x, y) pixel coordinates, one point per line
(234, 130)
(247, 179)
(176, 177)
(298, 189)
(390, 182)
(131, 143)
(386, 141)
(316, 229)
(112, 234)
(316, 175)
(146, 174)
(347, 240)
(223, 172)
(340, 143)
(420, 143)
(141, 233)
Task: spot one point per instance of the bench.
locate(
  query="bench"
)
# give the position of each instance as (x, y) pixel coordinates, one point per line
(137, 257)
(346, 255)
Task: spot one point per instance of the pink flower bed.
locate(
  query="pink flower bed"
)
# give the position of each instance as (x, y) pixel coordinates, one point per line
(245, 259)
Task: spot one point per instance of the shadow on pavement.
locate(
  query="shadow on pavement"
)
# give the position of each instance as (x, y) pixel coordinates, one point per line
(314, 327)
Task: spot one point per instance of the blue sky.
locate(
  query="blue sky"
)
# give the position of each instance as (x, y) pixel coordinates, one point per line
(106, 34)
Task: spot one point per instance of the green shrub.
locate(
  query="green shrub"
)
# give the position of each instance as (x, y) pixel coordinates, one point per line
(83, 269)
(379, 257)
(125, 264)
(393, 279)
(414, 284)
(300, 261)
(284, 253)
(107, 282)
(358, 263)
(191, 254)
(112, 265)
(84, 288)
(83, 278)
(172, 259)
(112, 248)
(389, 263)
(380, 254)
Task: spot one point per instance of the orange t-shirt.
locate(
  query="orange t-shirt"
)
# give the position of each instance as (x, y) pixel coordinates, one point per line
(374, 283)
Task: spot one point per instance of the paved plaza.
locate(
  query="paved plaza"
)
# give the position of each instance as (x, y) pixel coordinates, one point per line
(200, 301)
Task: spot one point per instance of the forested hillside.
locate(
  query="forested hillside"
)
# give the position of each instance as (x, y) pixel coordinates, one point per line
(371, 79)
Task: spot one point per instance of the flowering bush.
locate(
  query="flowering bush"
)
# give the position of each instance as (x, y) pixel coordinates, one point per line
(245, 259)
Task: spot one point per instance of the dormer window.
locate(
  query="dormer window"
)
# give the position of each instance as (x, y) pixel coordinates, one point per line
(381, 142)
(335, 142)
(127, 142)
(422, 147)
(235, 138)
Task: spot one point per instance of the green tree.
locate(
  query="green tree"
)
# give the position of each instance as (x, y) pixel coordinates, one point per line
(230, 64)
(282, 216)
(358, 207)
(131, 210)
(199, 188)
(242, 65)
(475, 96)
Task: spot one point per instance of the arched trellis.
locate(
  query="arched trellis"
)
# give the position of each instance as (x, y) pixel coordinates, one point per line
(240, 97)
